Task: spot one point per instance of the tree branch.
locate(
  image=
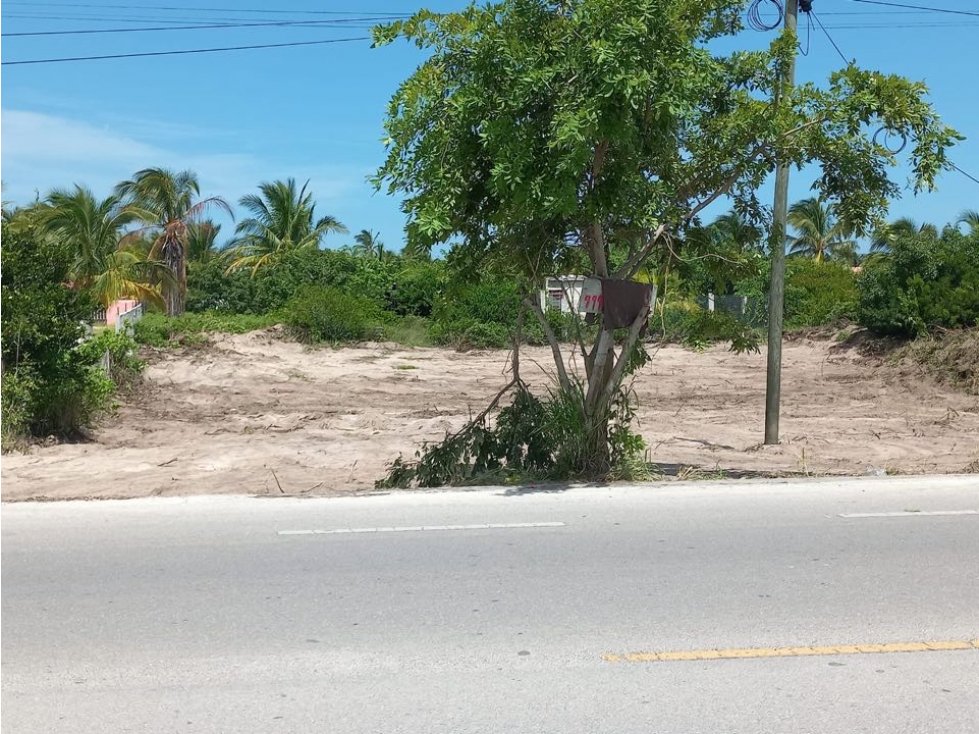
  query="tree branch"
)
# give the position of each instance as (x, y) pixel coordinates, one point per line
(632, 265)
(562, 372)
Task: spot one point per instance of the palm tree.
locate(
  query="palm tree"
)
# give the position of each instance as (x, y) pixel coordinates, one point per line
(202, 243)
(733, 231)
(168, 202)
(819, 233)
(106, 260)
(904, 227)
(283, 221)
(970, 218)
(369, 244)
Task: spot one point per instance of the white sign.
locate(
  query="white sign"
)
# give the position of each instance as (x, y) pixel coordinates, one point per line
(592, 300)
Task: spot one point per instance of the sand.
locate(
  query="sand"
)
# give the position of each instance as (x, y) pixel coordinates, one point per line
(254, 414)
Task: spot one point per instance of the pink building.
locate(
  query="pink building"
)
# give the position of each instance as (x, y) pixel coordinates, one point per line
(116, 308)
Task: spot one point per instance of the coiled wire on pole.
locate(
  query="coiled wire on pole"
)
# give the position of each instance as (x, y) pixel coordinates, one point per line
(886, 141)
(757, 22)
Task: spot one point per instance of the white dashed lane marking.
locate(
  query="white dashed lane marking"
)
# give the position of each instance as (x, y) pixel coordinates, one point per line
(420, 528)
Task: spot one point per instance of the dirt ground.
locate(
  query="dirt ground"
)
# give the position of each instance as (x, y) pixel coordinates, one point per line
(257, 415)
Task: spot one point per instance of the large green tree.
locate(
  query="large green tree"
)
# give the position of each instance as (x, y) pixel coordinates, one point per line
(169, 202)
(283, 220)
(540, 133)
(104, 260)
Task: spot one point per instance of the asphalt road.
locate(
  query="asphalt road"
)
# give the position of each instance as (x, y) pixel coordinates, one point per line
(496, 611)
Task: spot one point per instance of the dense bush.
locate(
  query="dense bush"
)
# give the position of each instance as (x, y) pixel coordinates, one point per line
(818, 293)
(480, 315)
(415, 289)
(923, 283)
(49, 386)
(211, 288)
(684, 322)
(323, 314)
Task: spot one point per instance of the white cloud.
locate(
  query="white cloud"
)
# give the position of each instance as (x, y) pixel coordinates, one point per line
(42, 151)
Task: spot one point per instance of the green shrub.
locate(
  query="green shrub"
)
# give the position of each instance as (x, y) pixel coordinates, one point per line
(72, 399)
(158, 330)
(49, 386)
(484, 335)
(415, 289)
(211, 288)
(818, 293)
(923, 283)
(410, 331)
(17, 391)
(684, 322)
(318, 314)
(125, 366)
(479, 315)
(531, 439)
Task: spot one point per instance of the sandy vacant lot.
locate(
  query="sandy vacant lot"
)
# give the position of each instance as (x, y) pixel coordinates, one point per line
(253, 414)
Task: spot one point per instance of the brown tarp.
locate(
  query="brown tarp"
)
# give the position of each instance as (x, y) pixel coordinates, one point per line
(623, 301)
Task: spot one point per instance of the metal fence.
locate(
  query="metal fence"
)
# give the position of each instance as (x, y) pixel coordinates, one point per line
(126, 322)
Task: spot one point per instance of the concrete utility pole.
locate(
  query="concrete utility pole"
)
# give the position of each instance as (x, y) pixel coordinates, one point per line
(776, 294)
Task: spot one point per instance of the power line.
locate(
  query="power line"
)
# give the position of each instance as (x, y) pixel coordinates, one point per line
(140, 20)
(205, 26)
(183, 51)
(918, 7)
(967, 175)
(885, 26)
(185, 8)
(820, 24)
(120, 19)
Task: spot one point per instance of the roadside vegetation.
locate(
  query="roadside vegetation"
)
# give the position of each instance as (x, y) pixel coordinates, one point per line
(54, 382)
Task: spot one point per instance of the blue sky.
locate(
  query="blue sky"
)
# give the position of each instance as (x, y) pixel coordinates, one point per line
(316, 112)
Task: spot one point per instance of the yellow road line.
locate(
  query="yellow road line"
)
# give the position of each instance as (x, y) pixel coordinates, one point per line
(740, 653)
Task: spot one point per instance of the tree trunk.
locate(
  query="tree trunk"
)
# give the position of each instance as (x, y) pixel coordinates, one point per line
(605, 371)
(174, 258)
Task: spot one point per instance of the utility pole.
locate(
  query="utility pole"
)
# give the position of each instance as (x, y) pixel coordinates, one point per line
(776, 293)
